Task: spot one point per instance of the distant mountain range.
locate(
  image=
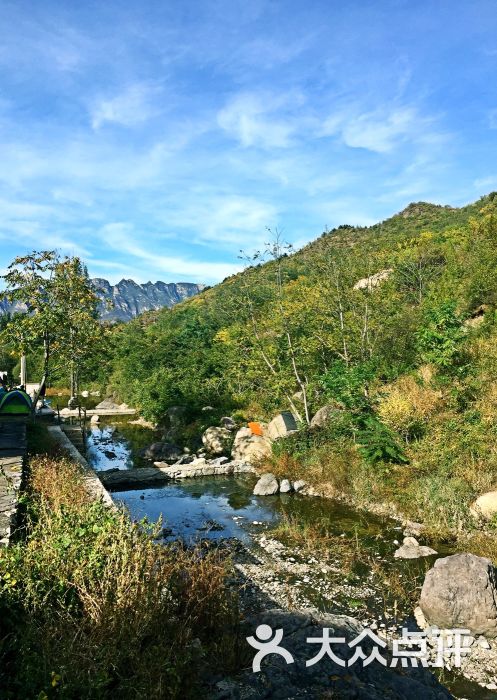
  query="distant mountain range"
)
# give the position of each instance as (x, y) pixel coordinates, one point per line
(127, 299)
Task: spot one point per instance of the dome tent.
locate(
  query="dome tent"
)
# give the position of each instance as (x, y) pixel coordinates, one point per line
(15, 403)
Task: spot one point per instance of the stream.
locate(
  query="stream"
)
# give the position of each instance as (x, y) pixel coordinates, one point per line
(224, 509)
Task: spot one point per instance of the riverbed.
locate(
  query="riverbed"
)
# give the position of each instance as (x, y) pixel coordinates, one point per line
(345, 579)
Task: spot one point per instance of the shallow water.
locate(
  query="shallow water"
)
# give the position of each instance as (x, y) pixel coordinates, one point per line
(221, 507)
(116, 444)
(214, 507)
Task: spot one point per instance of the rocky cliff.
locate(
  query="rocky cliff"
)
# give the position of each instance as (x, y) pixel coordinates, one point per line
(127, 299)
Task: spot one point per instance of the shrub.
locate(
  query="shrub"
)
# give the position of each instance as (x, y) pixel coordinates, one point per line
(377, 443)
(407, 405)
(439, 340)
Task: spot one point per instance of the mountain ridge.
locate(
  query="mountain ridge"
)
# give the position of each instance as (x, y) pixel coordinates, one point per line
(127, 299)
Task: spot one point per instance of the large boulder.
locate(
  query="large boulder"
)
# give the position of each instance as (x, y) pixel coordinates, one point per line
(323, 416)
(282, 425)
(107, 405)
(373, 281)
(267, 485)
(411, 549)
(485, 506)
(461, 591)
(216, 440)
(162, 451)
(250, 448)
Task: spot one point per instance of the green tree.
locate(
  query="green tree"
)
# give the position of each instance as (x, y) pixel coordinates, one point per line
(61, 311)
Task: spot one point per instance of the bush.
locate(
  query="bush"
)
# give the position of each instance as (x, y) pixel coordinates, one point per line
(439, 340)
(377, 443)
(407, 406)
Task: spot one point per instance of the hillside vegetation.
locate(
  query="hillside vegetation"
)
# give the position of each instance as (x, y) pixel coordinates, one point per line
(407, 361)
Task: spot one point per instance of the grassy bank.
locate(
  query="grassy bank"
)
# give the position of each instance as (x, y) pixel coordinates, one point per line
(445, 428)
(92, 607)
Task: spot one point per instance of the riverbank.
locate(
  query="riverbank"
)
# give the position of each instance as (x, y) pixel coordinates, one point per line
(91, 607)
(293, 571)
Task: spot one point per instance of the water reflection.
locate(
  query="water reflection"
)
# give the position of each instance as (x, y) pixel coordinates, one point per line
(202, 508)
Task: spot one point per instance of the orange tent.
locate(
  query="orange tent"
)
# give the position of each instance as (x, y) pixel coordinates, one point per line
(256, 428)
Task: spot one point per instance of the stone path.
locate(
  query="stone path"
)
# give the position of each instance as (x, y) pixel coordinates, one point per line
(12, 452)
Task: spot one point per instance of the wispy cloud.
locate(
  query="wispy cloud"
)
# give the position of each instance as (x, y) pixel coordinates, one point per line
(131, 107)
(187, 133)
(379, 131)
(256, 120)
(122, 238)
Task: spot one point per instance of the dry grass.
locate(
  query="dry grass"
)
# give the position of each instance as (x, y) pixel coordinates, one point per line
(59, 482)
(102, 610)
(332, 464)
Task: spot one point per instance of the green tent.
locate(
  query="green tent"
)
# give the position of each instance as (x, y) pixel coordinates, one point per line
(15, 403)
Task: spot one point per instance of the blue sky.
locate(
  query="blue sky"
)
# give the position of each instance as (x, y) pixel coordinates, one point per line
(158, 138)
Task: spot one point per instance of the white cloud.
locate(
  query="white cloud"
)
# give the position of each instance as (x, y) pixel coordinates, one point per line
(382, 130)
(253, 120)
(224, 220)
(379, 131)
(135, 105)
(122, 237)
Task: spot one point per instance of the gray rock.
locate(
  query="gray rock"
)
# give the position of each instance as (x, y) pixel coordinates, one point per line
(411, 549)
(282, 425)
(412, 529)
(373, 281)
(285, 486)
(267, 485)
(228, 423)
(216, 440)
(95, 419)
(185, 459)
(461, 591)
(164, 451)
(299, 485)
(323, 416)
(251, 448)
(107, 405)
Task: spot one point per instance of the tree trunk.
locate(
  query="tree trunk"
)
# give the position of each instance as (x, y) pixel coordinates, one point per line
(46, 364)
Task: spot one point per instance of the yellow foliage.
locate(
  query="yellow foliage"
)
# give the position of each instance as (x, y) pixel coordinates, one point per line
(408, 404)
(222, 336)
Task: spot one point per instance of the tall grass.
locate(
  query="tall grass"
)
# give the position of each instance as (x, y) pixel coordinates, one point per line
(92, 607)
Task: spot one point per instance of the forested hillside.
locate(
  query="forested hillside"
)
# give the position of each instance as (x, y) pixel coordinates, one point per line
(393, 326)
